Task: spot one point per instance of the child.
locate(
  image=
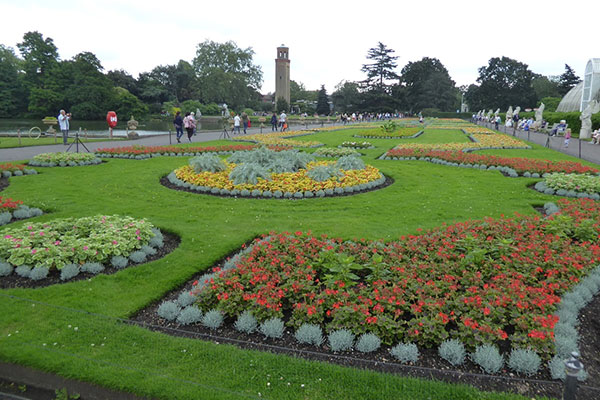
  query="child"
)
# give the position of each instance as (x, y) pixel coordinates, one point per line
(567, 137)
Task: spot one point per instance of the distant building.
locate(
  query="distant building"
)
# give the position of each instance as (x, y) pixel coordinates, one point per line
(581, 94)
(282, 74)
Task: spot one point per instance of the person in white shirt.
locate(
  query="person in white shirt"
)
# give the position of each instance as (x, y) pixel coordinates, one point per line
(63, 123)
(236, 124)
(282, 119)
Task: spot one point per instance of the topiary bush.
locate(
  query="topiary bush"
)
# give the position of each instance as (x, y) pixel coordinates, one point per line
(341, 340)
(350, 162)
(208, 162)
(138, 257)
(5, 268)
(213, 319)
(249, 173)
(189, 315)
(524, 361)
(119, 262)
(69, 271)
(39, 273)
(452, 351)
(405, 352)
(367, 343)
(92, 268)
(168, 310)
(309, 334)
(272, 328)
(185, 299)
(246, 322)
(488, 358)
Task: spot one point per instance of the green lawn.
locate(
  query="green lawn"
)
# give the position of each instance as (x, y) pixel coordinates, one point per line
(124, 357)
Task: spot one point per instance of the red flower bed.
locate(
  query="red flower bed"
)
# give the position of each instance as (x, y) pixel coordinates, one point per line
(520, 165)
(491, 280)
(138, 150)
(8, 204)
(11, 167)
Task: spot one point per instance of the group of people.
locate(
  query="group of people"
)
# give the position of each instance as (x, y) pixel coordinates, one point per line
(188, 122)
(346, 118)
(279, 123)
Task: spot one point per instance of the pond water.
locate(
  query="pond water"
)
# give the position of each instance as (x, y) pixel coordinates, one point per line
(100, 128)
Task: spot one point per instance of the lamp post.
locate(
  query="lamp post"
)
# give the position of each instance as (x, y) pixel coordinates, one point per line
(572, 368)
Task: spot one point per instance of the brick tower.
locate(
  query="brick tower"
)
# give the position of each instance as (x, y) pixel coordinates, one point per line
(282, 74)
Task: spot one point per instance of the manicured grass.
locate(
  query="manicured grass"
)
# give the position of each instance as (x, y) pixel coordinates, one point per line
(153, 364)
(9, 142)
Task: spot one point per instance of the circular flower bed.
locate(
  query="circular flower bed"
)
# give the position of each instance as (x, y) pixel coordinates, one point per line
(64, 159)
(74, 245)
(286, 174)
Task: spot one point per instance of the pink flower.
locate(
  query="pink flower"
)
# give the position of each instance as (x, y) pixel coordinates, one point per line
(33, 251)
(85, 247)
(29, 227)
(57, 242)
(7, 237)
(114, 242)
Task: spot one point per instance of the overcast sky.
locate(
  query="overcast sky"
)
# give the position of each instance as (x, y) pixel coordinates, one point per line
(328, 40)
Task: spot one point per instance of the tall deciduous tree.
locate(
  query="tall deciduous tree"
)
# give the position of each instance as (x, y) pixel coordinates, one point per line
(567, 80)
(381, 69)
(323, 102)
(12, 95)
(40, 64)
(502, 83)
(428, 85)
(226, 73)
(346, 97)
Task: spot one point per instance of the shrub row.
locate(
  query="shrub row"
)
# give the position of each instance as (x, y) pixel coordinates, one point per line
(544, 188)
(21, 212)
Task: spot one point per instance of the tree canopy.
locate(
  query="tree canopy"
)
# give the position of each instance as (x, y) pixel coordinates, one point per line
(226, 73)
(502, 83)
(323, 102)
(567, 80)
(381, 69)
(428, 85)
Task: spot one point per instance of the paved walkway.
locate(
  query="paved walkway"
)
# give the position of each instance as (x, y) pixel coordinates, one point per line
(25, 153)
(577, 148)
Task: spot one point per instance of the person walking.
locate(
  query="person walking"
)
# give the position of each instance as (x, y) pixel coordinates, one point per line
(178, 123)
(189, 124)
(236, 124)
(245, 121)
(282, 120)
(274, 122)
(567, 137)
(63, 123)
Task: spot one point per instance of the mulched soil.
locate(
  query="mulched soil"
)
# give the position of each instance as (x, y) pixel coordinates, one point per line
(430, 365)
(171, 242)
(165, 182)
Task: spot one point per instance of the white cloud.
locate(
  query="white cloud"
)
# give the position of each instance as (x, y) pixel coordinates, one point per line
(328, 41)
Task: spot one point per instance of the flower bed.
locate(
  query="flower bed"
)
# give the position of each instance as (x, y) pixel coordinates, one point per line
(478, 129)
(335, 152)
(142, 152)
(522, 166)
(280, 139)
(570, 185)
(398, 133)
(64, 159)
(481, 282)
(75, 245)
(9, 169)
(481, 141)
(287, 174)
(358, 145)
(11, 210)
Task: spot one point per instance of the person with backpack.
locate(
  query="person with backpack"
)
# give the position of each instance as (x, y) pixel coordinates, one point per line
(178, 123)
(189, 124)
(274, 122)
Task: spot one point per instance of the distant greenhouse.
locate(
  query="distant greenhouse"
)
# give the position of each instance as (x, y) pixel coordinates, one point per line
(578, 97)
